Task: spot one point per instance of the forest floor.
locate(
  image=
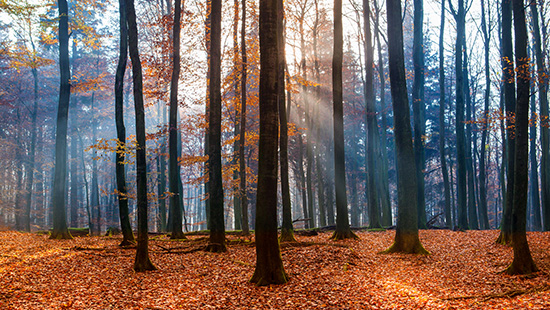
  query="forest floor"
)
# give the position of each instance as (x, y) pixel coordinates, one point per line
(462, 272)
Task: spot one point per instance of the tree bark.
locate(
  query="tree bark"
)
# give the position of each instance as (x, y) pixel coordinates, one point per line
(406, 235)
(269, 265)
(523, 262)
(484, 221)
(510, 102)
(242, 137)
(142, 261)
(442, 159)
(343, 230)
(418, 109)
(174, 168)
(372, 124)
(60, 230)
(217, 226)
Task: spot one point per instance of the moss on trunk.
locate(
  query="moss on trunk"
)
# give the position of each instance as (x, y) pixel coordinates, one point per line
(287, 235)
(343, 234)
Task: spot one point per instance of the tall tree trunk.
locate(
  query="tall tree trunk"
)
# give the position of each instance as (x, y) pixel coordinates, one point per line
(74, 177)
(460, 134)
(406, 235)
(142, 261)
(96, 207)
(372, 124)
(174, 168)
(343, 230)
(542, 81)
(470, 160)
(32, 152)
(161, 170)
(287, 229)
(217, 226)
(523, 262)
(383, 175)
(269, 265)
(317, 152)
(237, 216)
(60, 230)
(534, 176)
(127, 233)
(242, 138)
(418, 108)
(510, 102)
(484, 221)
(442, 159)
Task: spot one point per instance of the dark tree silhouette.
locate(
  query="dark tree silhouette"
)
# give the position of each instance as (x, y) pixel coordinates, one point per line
(142, 262)
(60, 230)
(406, 235)
(269, 265)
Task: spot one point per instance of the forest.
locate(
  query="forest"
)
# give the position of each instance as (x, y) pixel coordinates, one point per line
(274, 154)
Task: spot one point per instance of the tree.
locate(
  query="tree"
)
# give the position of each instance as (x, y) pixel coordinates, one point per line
(242, 138)
(372, 125)
(442, 159)
(174, 170)
(60, 230)
(523, 262)
(343, 230)
(418, 108)
(269, 265)
(460, 134)
(482, 169)
(217, 226)
(142, 261)
(122, 191)
(287, 229)
(510, 102)
(406, 235)
(542, 92)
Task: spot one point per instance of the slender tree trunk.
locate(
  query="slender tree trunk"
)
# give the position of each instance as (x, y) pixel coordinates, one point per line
(406, 235)
(384, 180)
(142, 261)
(343, 230)
(60, 230)
(269, 265)
(472, 208)
(237, 216)
(372, 124)
(510, 102)
(523, 262)
(32, 153)
(217, 226)
(542, 82)
(484, 221)
(442, 159)
(127, 233)
(96, 207)
(287, 229)
(418, 108)
(174, 168)
(534, 176)
(242, 138)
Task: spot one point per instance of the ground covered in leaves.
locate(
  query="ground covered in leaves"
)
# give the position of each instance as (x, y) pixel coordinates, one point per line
(462, 272)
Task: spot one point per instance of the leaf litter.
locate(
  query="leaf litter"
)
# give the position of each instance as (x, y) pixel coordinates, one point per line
(462, 272)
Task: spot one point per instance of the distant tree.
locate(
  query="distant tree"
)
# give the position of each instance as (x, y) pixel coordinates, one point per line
(269, 265)
(174, 168)
(142, 262)
(343, 230)
(217, 226)
(372, 125)
(60, 230)
(523, 262)
(419, 107)
(406, 235)
(484, 220)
